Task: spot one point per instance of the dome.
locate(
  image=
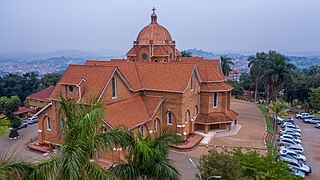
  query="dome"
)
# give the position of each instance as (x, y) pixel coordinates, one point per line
(154, 32)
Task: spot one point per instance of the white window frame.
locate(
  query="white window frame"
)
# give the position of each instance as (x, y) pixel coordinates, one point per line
(186, 118)
(48, 123)
(195, 111)
(114, 86)
(168, 118)
(215, 106)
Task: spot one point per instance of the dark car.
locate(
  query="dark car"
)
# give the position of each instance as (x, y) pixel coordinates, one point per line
(23, 125)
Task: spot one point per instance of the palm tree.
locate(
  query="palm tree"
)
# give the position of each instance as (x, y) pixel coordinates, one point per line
(147, 158)
(225, 64)
(12, 166)
(4, 126)
(83, 137)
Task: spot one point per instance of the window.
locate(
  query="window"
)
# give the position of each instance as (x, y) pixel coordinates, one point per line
(187, 117)
(144, 56)
(170, 55)
(48, 123)
(192, 82)
(142, 130)
(114, 87)
(70, 88)
(215, 100)
(169, 118)
(195, 112)
(155, 125)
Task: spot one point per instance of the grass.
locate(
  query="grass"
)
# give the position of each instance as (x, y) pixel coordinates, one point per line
(267, 117)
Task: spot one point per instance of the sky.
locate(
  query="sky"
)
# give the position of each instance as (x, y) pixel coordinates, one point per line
(211, 25)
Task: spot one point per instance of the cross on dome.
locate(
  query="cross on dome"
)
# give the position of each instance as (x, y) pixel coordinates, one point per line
(153, 16)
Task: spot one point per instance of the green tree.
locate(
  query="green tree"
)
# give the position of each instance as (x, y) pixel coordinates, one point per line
(186, 54)
(8, 106)
(82, 137)
(225, 64)
(4, 126)
(12, 166)
(238, 165)
(147, 158)
(50, 80)
(314, 98)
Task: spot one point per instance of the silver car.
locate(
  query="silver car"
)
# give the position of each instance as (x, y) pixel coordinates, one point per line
(295, 148)
(312, 120)
(317, 125)
(296, 155)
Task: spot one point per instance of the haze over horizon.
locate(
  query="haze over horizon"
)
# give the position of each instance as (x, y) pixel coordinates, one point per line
(211, 25)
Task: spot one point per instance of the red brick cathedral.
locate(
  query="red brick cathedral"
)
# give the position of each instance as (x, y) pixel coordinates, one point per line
(153, 88)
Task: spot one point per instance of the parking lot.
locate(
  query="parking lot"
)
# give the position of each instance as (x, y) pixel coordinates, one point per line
(311, 143)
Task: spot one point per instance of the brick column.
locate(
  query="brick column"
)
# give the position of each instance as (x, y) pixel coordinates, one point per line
(206, 128)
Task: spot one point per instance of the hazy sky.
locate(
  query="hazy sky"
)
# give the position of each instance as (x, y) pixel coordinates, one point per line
(212, 25)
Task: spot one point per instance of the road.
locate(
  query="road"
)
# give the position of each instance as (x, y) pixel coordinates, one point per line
(184, 166)
(311, 144)
(20, 145)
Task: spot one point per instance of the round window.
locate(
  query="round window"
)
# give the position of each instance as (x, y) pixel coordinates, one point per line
(144, 56)
(70, 88)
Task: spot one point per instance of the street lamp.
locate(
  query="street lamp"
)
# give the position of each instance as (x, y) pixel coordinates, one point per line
(199, 174)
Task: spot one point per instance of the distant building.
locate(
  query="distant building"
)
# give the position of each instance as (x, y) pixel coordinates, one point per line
(235, 75)
(40, 99)
(23, 113)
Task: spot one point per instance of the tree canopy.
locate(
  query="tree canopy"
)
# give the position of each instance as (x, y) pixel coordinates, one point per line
(186, 54)
(226, 62)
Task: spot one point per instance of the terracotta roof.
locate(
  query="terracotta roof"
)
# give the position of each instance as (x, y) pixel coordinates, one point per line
(133, 111)
(210, 70)
(216, 87)
(153, 76)
(42, 95)
(218, 117)
(132, 52)
(22, 110)
(160, 51)
(93, 79)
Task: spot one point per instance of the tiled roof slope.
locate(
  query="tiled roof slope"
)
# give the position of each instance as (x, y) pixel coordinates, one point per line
(42, 95)
(210, 70)
(133, 111)
(153, 76)
(22, 110)
(95, 78)
(216, 87)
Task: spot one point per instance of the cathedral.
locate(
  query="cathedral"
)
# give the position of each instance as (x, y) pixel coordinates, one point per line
(154, 87)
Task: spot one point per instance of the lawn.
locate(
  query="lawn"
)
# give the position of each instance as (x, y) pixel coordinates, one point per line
(267, 117)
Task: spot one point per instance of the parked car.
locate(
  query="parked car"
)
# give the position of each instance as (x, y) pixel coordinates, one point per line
(290, 128)
(304, 116)
(297, 172)
(295, 164)
(289, 125)
(317, 125)
(288, 120)
(296, 155)
(285, 124)
(292, 139)
(290, 131)
(287, 142)
(295, 148)
(23, 125)
(312, 120)
(32, 120)
(290, 136)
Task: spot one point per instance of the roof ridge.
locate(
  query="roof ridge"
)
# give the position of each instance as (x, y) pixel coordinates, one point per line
(145, 105)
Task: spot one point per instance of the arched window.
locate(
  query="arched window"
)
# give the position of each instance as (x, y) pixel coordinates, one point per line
(142, 130)
(169, 118)
(70, 88)
(187, 117)
(195, 111)
(155, 125)
(215, 100)
(170, 55)
(48, 123)
(144, 56)
(114, 87)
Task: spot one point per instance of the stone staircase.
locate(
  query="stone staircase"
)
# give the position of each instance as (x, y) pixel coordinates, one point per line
(207, 138)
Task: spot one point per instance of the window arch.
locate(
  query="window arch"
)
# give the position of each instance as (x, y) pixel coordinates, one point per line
(187, 117)
(48, 123)
(195, 111)
(114, 87)
(169, 118)
(155, 125)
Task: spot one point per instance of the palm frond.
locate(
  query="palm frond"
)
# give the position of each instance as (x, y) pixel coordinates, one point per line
(46, 169)
(126, 171)
(96, 172)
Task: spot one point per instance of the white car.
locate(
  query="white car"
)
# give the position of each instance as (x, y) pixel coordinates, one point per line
(295, 148)
(32, 120)
(295, 164)
(296, 155)
(289, 136)
(287, 142)
(317, 125)
(291, 126)
(312, 120)
(297, 172)
(291, 139)
(290, 131)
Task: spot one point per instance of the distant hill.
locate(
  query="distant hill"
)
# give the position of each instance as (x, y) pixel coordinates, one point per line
(301, 60)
